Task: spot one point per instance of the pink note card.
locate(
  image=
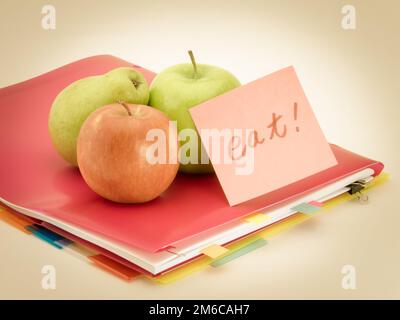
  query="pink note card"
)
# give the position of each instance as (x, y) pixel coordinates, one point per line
(262, 136)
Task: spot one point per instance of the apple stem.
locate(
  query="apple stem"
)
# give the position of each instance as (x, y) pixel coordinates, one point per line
(125, 106)
(193, 63)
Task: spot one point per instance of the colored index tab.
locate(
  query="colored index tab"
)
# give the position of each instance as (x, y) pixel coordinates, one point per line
(316, 203)
(114, 267)
(306, 208)
(49, 234)
(262, 136)
(240, 252)
(214, 251)
(14, 221)
(42, 236)
(257, 218)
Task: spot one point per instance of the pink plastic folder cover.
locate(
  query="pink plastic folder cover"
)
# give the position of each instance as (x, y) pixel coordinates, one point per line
(34, 176)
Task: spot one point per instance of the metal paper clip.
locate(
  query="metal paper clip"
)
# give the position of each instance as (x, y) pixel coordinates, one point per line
(362, 197)
(356, 189)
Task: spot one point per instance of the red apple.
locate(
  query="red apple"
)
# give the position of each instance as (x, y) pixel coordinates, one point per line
(111, 153)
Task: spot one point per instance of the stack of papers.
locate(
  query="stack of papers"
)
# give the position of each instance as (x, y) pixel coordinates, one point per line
(196, 222)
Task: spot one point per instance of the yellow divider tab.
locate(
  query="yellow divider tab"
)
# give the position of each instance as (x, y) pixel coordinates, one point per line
(257, 218)
(214, 251)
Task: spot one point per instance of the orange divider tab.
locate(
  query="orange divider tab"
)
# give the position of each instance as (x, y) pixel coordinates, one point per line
(114, 267)
(15, 221)
(214, 251)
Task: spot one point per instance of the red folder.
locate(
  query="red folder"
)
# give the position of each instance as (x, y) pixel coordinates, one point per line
(35, 177)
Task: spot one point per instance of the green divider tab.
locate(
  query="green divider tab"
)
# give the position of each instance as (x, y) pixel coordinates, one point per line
(239, 252)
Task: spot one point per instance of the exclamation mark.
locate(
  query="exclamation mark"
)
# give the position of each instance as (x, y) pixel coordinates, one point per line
(295, 115)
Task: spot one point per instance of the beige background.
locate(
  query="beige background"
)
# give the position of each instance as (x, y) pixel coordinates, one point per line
(350, 77)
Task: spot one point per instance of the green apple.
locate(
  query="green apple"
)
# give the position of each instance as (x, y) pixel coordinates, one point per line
(180, 87)
(77, 101)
